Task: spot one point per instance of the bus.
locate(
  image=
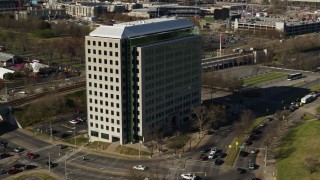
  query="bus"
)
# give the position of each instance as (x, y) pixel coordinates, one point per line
(294, 76)
(308, 98)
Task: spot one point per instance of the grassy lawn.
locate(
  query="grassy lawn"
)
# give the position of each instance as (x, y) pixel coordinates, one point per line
(233, 151)
(209, 19)
(130, 151)
(39, 176)
(296, 146)
(178, 142)
(318, 110)
(95, 145)
(40, 111)
(307, 116)
(251, 81)
(314, 88)
(79, 140)
(298, 83)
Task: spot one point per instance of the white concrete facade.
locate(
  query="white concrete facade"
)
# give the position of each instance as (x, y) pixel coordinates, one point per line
(138, 84)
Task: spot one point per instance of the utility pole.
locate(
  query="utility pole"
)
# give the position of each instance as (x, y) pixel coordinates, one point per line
(74, 134)
(265, 156)
(65, 166)
(139, 149)
(49, 163)
(51, 137)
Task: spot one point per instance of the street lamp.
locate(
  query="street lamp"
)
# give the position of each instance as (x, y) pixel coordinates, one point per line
(65, 164)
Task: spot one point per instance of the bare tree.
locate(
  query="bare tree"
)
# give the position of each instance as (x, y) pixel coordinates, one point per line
(312, 164)
(246, 118)
(202, 118)
(216, 80)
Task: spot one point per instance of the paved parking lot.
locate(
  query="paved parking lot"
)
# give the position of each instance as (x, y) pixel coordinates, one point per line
(62, 128)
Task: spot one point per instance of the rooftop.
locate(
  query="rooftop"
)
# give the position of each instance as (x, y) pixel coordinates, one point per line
(139, 28)
(271, 21)
(5, 56)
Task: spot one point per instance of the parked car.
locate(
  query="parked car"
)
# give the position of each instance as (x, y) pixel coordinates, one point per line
(218, 162)
(74, 122)
(203, 157)
(269, 119)
(188, 176)
(140, 167)
(248, 142)
(18, 165)
(262, 125)
(251, 166)
(3, 143)
(31, 155)
(64, 135)
(243, 153)
(29, 167)
(241, 170)
(4, 155)
(3, 171)
(81, 119)
(213, 150)
(205, 150)
(14, 171)
(18, 149)
(221, 154)
(211, 156)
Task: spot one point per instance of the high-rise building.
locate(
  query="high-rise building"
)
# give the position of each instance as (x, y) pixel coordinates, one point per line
(143, 77)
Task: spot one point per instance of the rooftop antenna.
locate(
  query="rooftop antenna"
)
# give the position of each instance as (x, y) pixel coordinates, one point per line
(158, 10)
(220, 46)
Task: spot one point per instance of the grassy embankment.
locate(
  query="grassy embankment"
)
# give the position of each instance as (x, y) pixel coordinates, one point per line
(262, 78)
(300, 142)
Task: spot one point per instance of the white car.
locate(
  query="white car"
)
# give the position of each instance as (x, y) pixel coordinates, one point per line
(213, 150)
(188, 176)
(81, 119)
(251, 166)
(74, 121)
(139, 167)
(211, 155)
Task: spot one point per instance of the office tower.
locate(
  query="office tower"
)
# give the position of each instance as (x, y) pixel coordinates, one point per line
(142, 79)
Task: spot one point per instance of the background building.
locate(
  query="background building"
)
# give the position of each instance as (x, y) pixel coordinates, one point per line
(142, 78)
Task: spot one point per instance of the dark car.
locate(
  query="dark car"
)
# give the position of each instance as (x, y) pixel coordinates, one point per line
(4, 155)
(256, 132)
(29, 167)
(248, 142)
(3, 143)
(51, 164)
(64, 135)
(241, 171)
(14, 171)
(31, 155)
(61, 146)
(221, 154)
(3, 171)
(205, 150)
(218, 162)
(203, 157)
(18, 165)
(269, 119)
(243, 154)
